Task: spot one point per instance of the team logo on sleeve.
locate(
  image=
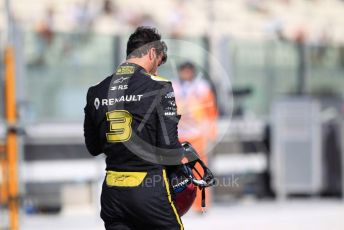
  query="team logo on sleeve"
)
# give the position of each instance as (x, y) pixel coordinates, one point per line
(169, 104)
(96, 103)
(169, 95)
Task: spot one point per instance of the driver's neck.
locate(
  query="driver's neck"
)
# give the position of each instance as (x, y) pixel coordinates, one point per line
(141, 62)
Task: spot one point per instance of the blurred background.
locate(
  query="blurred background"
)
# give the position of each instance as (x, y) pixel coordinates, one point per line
(275, 69)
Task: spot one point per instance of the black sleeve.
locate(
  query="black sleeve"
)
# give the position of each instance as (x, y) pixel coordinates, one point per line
(90, 131)
(170, 148)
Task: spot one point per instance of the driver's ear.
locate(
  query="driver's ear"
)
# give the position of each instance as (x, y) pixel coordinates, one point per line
(151, 53)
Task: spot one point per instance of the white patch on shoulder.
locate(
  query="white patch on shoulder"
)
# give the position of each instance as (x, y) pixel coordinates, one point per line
(96, 83)
(158, 78)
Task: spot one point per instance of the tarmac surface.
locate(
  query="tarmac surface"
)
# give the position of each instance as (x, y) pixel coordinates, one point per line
(263, 215)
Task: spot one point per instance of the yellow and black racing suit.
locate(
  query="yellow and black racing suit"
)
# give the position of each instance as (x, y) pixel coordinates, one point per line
(132, 118)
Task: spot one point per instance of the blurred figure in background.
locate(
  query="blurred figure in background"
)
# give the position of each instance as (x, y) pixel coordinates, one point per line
(196, 103)
(44, 35)
(107, 17)
(108, 8)
(81, 17)
(177, 18)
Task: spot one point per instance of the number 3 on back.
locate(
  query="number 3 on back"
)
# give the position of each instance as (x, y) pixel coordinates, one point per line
(120, 125)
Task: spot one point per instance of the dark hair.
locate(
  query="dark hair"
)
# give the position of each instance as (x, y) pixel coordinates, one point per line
(186, 65)
(142, 40)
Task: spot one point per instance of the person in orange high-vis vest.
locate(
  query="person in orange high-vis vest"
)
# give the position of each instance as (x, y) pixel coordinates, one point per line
(197, 105)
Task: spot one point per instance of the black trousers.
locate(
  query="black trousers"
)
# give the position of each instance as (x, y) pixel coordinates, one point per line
(148, 206)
